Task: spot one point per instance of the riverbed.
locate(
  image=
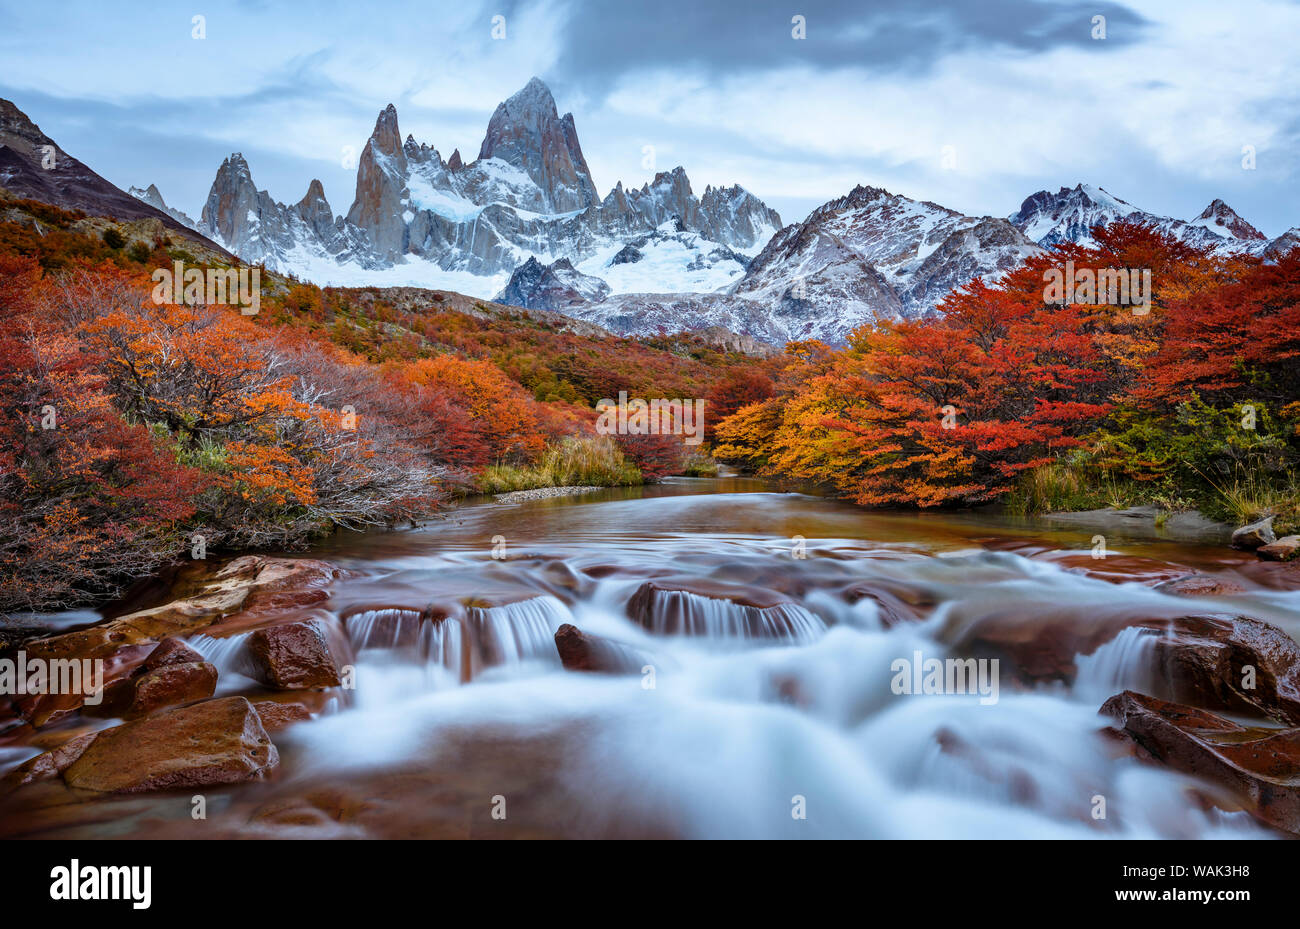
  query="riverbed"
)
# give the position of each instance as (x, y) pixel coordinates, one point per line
(759, 694)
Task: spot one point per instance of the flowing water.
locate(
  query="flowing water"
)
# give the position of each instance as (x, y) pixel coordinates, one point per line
(758, 701)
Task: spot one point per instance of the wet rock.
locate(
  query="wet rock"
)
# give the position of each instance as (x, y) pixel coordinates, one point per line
(172, 674)
(252, 583)
(1259, 768)
(1251, 537)
(292, 656)
(582, 651)
(215, 742)
(47, 765)
(284, 584)
(1199, 585)
(52, 708)
(172, 685)
(1286, 548)
(1204, 660)
(276, 716)
(1231, 663)
(169, 651)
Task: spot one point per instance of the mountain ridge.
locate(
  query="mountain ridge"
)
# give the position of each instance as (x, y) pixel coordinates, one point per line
(529, 193)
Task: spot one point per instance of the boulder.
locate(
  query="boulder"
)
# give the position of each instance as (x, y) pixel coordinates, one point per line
(1207, 661)
(171, 675)
(1248, 538)
(1202, 659)
(582, 651)
(1286, 548)
(169, 651)
(292, 656)
(1259, 768)
(215, 742)
(171, 685)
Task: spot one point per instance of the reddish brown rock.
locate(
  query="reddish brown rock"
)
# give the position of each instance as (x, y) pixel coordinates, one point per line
(252, 583)
(1286, 548)
(1207, 662)
(169, 651)
(214, 742)
(1203, 660)
(47, 765)
(1199, 585)
(582, 651)
(285, 584)
(171, 685)
(172, 674)
(276, 716)
(1259, 768)
(49, 708)
(292, 656)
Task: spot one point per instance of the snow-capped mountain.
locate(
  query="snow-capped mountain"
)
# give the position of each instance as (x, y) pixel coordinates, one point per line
(868, 255)
(875, 254)
(556, 286)
(1070, 214)
(154, 198)
(417, 218)
(1283, 243)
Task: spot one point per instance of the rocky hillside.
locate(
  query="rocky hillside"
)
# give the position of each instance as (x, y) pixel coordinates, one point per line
(34, 166)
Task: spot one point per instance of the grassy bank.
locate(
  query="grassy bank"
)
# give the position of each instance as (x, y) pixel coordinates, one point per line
(584, 461)
(1237, 497)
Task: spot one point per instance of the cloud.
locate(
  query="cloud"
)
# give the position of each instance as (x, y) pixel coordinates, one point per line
(1157, 112)
(610, 40)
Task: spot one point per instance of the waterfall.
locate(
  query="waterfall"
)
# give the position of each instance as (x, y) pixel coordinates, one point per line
(517, 632)
(1126, 662)
(229, 655)
(408, 633)
(680, 612)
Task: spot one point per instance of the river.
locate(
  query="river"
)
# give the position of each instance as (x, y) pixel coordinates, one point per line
(772, 718)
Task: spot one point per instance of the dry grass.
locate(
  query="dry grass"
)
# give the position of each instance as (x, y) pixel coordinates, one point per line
(576, 461)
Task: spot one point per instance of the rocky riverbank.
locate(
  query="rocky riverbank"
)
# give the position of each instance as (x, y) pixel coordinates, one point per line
(543, 493)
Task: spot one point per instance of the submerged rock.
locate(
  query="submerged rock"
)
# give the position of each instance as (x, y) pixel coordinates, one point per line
(1199, 585)
(276, 716)
(582, 651)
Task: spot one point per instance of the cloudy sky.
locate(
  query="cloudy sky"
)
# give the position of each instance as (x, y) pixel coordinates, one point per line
(971, 104)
